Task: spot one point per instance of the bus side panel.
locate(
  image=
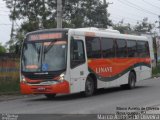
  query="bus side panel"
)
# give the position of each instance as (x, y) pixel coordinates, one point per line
(119, 81)
(145, 73)
(115, 71)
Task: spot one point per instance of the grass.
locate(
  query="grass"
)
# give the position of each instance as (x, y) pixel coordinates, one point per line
(156, 70)
(9, 86)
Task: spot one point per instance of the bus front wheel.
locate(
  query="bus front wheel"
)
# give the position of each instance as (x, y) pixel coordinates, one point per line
(50, 96)
(89, 87)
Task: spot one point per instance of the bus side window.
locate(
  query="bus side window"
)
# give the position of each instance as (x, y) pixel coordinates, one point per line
(77, 53)
(108, 47)
(121, 50)
(142, 49)
(93, 47)
(131, 45)
(147, 49)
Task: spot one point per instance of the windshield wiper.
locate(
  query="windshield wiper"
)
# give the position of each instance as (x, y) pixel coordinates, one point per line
(49, 46)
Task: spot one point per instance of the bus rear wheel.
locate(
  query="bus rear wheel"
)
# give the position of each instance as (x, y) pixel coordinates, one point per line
(89, 87)
(50, 96)
(131, 80)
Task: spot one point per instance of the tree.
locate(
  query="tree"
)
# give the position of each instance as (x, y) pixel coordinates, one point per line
(144, 26)
(122, 28)
(86, 13)
(37, 14)
(140, 28)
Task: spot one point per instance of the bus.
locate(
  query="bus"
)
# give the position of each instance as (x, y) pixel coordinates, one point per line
(66, 61)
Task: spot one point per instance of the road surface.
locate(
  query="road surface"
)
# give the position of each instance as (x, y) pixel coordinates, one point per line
(146, 94)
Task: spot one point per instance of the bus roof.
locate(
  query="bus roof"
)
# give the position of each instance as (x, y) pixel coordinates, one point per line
(107, 33)
(96, 32)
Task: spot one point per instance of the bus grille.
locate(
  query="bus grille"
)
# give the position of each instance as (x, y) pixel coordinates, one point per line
(40, 77)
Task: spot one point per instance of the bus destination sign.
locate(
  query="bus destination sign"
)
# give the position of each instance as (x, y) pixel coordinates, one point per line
(45, 36)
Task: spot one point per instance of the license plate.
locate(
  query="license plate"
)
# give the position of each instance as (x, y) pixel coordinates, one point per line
(41, 89)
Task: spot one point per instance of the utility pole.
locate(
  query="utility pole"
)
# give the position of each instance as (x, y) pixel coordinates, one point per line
(159, 23)
(104, 1)
(59, 13)
(11, 41)
(13, 20)
(157, 41)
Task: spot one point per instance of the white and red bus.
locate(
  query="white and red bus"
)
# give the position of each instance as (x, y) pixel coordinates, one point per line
(57, 61)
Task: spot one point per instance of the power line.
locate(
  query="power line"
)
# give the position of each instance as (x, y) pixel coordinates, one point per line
(115, 20)
(122, 2)
(141, 8)
(5, 24)
(4, 11)
(128, 18)
(129, 12)
(136, 7)
(4, 15)
(151, 4)
(124, 18)
(3, 7)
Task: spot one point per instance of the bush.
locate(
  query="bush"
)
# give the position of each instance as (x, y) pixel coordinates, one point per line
(156, 70)
(9, 86)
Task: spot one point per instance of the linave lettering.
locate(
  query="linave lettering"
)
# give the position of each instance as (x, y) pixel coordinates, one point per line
(103, 69)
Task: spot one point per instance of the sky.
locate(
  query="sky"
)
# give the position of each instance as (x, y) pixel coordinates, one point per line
(5, 23)
(130, 11)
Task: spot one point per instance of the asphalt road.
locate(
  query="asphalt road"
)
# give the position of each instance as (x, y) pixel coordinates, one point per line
(146, 94)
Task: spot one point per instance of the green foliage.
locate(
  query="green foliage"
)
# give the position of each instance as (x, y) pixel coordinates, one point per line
(86, 13)
(156, 70)
(144, 26)
(122, 28)
(42, 13)
(140, 28)
(9, 86)
(2, 49)
(38, 14)
(35, 14)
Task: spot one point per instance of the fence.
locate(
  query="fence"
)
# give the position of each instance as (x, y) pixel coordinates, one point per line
(9, 67)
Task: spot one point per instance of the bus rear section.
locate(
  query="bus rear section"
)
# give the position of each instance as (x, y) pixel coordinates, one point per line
(118, 59)
(113, 59)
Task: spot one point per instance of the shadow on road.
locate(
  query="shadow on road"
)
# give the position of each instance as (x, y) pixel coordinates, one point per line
(80, 96)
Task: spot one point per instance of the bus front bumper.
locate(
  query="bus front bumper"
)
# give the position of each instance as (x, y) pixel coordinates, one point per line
(61, 87)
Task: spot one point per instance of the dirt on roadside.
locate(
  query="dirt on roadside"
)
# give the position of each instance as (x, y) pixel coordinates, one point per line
(12, 97)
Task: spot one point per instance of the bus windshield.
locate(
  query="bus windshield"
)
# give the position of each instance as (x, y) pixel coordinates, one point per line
(44, 56)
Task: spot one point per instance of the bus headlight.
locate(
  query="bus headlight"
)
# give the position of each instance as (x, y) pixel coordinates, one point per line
(23, 79)
(61, 78)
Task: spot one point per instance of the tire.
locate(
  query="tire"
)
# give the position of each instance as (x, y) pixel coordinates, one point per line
(89, 87)
(131, 80)
(50, 96)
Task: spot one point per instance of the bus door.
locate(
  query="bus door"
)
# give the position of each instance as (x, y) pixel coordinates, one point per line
(78, 64)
